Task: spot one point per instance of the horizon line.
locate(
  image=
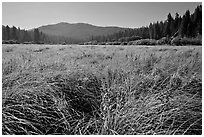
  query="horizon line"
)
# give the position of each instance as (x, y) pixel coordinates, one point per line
(78, 23)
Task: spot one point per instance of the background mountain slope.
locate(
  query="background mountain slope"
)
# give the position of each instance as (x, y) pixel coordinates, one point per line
(80, 31)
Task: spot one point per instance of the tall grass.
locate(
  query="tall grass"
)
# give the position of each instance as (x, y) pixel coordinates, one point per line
(149, 94)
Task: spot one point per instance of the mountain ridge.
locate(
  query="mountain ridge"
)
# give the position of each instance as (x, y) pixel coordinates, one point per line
(82, 31)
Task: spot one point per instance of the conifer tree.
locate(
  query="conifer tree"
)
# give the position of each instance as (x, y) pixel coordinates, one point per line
(36, 36)
(7, 33)
(14, 33)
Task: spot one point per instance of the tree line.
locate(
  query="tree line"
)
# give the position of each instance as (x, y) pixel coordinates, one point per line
(189, 25)
(21, 36)
(17, 35)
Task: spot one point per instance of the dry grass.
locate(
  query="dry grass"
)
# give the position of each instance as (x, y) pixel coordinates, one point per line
(101, 91)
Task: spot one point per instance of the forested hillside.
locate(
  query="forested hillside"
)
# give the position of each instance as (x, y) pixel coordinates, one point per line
(189, 25)
(80, 31)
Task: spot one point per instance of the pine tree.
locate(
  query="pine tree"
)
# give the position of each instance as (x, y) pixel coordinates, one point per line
(7, 33)
(184, 24)
(36, 36)
(161, 28)
(197, 20)
(4, 34)
(151, 31)
(168, 25)
(176, 22)
(14, 33)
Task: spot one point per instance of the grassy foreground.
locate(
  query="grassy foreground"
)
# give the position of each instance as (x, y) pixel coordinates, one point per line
(106, 90)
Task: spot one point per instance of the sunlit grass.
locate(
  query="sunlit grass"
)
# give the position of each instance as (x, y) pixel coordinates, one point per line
(105, 90)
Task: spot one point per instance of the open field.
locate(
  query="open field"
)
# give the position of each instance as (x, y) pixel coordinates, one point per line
(107, 90)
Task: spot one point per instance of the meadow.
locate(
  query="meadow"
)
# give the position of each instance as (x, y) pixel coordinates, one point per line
(101, 90)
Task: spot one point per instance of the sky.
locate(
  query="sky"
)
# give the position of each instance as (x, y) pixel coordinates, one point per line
(28, 15)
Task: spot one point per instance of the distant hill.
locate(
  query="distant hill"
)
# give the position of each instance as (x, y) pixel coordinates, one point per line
(80, 31)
